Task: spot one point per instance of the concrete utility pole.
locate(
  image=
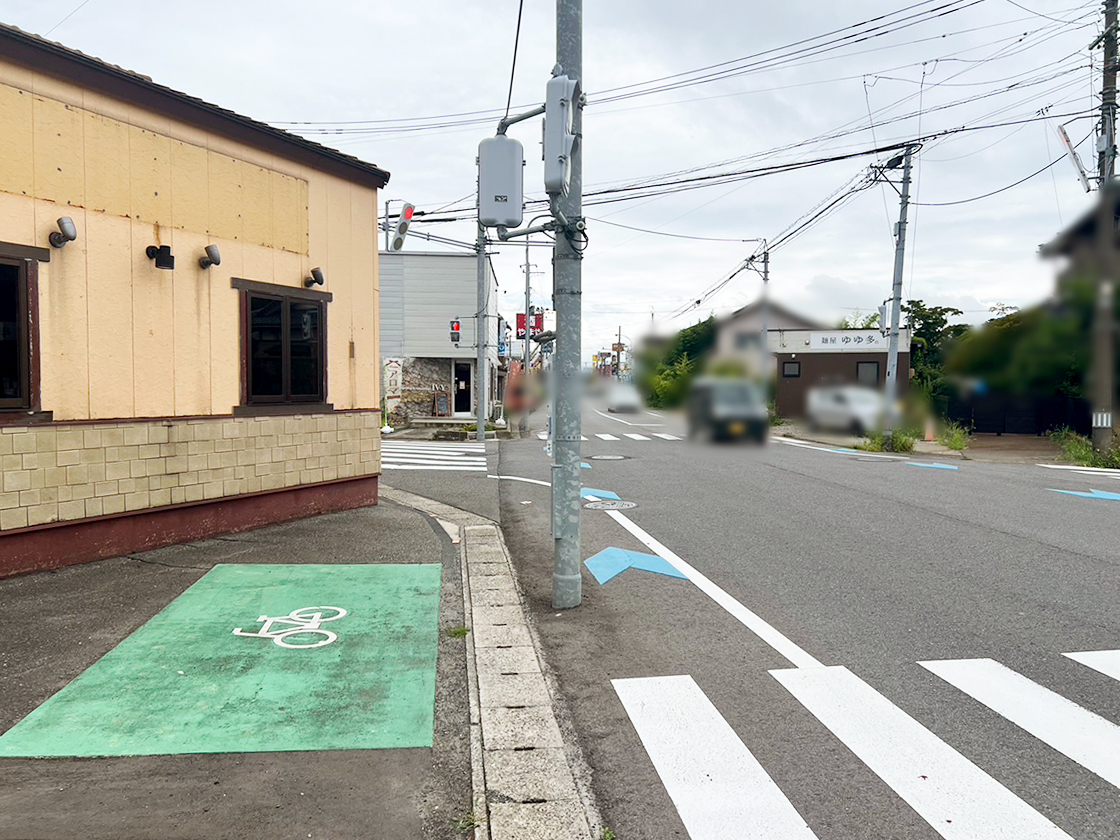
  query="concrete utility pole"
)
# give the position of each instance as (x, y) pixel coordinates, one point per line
(891, 392)
(567, 288)
(765, 304)
(618, 356)
(1104, 316)
(528, 324)
(482, 375)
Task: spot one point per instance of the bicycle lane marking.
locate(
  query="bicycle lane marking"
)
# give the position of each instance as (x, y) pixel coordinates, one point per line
(184, 682)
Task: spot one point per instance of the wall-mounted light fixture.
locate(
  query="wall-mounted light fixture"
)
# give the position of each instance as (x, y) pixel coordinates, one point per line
(213, 257)
(316, 278)
(162, 255)
(66, 232)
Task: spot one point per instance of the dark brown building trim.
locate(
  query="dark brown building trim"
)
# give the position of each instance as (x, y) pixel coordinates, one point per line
(63, 63)
(275, 289)
(24, 252)
(25, 418)
(68, 543)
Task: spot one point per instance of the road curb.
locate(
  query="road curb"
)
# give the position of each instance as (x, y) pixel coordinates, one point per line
(523, 770)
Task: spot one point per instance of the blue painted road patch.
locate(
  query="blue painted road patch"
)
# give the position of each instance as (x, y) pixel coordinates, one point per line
(1092, 494)
(587, 492)
(932, 466)
(611, 562)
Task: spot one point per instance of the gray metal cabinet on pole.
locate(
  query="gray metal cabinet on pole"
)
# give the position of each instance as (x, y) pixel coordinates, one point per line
(566, 581)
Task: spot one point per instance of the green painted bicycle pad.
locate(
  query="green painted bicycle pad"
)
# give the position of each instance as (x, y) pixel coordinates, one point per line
(186, 683)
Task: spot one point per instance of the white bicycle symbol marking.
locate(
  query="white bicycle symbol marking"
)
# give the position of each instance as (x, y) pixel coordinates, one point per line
(301, 623)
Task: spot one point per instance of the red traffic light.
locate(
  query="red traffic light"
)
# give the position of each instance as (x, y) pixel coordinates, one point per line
(455, 325)
(407, 211)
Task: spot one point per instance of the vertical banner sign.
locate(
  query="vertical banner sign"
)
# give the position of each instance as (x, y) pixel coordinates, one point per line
(537, 324)
(393, 384)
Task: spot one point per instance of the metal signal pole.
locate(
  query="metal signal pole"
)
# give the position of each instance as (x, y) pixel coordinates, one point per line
(896, 305)
(567, 289)
(481, 325)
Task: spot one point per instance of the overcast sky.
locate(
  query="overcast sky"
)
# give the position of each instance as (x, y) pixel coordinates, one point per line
(341, 63)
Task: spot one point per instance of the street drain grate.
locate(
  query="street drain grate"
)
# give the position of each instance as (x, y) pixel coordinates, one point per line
(611, 504)
(609, 457)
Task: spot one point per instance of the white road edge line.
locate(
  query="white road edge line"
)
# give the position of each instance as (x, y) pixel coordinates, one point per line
(748, 619)
(838, 450)
(519, 478)
(718, 787)
(1101, 470)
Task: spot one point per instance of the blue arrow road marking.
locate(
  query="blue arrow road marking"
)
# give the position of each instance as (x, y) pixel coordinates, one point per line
(584, 465)
(614, 561)
(932, 466)
(598, 494)
(1092, 494)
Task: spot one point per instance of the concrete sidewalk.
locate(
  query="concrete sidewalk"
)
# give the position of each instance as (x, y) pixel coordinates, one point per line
(497, 766)
(1002, 449)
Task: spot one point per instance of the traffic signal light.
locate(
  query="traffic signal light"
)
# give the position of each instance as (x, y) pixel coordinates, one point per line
(396, 239)
(560, 101)
(455, 333)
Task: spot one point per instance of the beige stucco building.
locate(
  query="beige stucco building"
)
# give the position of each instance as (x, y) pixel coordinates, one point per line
(141, 404)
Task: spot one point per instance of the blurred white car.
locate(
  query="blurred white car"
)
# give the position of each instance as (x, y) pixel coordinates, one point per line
(624, 397)
(849, 408)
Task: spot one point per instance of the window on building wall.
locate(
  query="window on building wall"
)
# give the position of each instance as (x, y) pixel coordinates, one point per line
(744, 341)
(15, 346)
(791, 370)
(284, 344)
(867, 373)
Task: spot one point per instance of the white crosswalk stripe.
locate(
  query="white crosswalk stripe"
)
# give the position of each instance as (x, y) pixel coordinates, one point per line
(958, 799)
(1105, 661)
(1077, 733)
(606, 437)
(633, 436)
(718, 787)
(664, 436)
(434, 456)
(721, 790)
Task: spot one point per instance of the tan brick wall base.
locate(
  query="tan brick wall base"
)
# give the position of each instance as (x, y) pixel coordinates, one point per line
(66, 472)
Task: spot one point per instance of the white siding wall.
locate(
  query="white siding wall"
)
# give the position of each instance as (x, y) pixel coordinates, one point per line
(434, 289)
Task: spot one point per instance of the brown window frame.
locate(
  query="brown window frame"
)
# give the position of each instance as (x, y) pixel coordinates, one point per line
(27, 408)
(285, 295)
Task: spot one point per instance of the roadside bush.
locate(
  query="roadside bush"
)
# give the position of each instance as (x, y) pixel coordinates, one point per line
(1078, 449)
(904, 440)
(955, 436)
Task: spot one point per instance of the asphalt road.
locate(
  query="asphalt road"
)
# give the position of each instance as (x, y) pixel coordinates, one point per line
(845, 560)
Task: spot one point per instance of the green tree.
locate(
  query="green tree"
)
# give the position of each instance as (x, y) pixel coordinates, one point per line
(931, 339)
(859, 321)
(664, 377)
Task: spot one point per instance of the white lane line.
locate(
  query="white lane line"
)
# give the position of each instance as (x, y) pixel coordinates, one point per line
(664, 436)
(635, 437)
(542, 435)
(432, 451)
(1100, 470)
(431, 468)
(626, 422)
(1079, 734)
(839, 450)
(740, 613)
(605, 437)
(519, 478)
(719, 789)
(1105, 661)
(653, 414)
(958, 799)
